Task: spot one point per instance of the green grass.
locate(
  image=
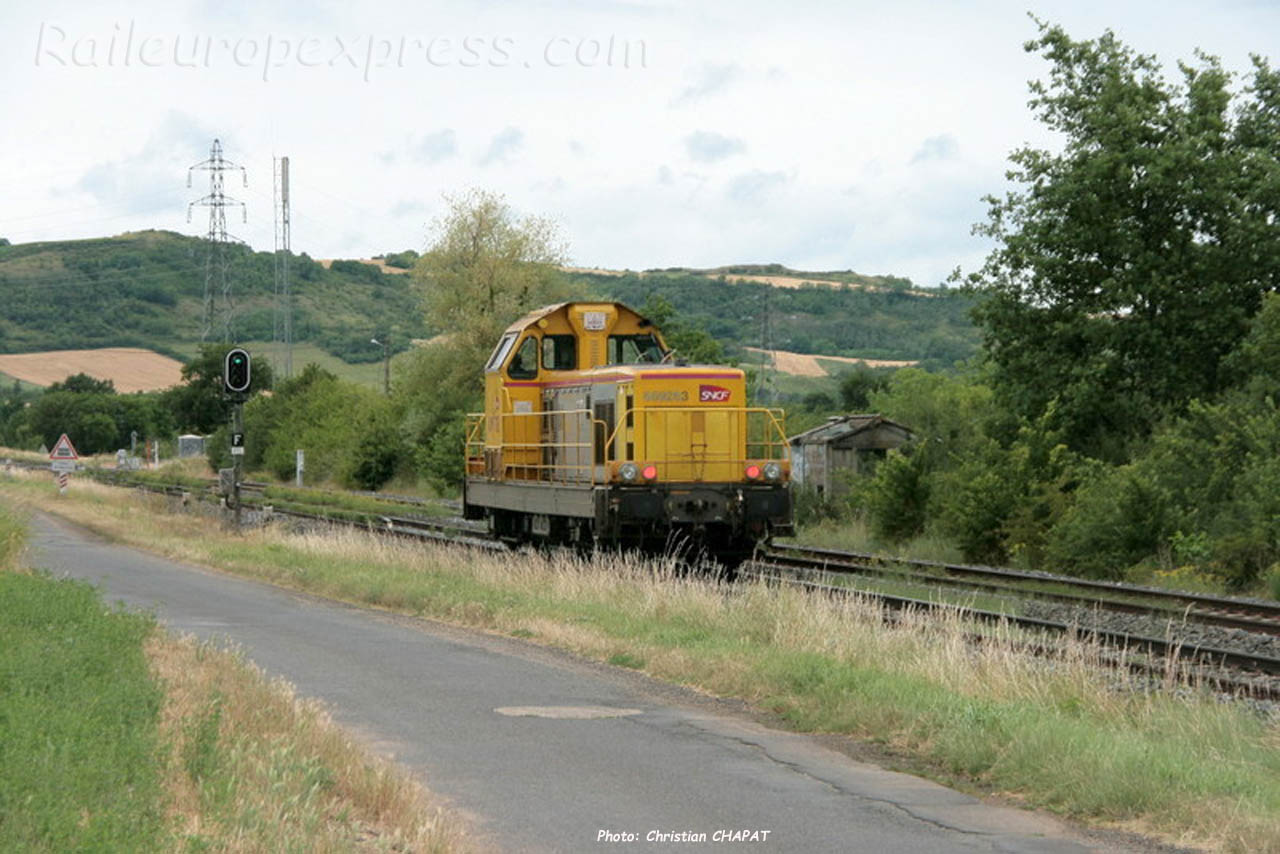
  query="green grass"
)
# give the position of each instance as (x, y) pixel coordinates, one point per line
(855, 535)
(78, 722)
(13, 537)
(7, 381)
(341, 500)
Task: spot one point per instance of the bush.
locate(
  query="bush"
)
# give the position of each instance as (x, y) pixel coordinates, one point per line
(440, 460)
(898, 497)
(1273, 581)
(978, 501)
(375, 458)
(1119, 518)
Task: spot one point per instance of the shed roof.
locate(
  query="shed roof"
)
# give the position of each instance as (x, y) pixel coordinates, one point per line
(844, 426)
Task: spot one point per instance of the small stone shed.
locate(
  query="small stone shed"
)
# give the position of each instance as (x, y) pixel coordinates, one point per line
(846, 443)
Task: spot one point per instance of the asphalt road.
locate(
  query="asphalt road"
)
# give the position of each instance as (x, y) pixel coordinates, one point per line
(544, 752)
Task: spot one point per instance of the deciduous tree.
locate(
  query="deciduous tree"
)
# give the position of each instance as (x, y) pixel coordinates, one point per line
(1130, 261)
(485, 268)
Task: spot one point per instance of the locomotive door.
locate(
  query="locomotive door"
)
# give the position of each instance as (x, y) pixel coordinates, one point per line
(522, 432)
(602, 413)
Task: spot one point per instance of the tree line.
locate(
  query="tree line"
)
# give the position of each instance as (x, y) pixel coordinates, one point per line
(1121, 417)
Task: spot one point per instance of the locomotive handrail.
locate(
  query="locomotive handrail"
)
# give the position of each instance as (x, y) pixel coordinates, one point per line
(538, 468)
(584, 460)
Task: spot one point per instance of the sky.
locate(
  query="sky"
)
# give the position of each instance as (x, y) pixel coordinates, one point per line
(820, 135)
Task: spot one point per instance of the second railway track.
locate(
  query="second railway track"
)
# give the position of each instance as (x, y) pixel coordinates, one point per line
(1226, 612)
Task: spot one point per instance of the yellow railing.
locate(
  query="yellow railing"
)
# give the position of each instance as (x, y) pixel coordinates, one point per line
(685, 444)
(521, 447)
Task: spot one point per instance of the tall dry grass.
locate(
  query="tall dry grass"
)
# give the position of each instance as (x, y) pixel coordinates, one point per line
(1068, 732)
(254, 768)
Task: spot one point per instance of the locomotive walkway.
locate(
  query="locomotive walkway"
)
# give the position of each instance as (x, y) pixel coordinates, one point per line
(545, 752)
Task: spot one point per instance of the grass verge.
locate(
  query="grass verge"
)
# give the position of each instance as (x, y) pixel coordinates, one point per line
(1065, 734)
(79, 747)
(252, 768)
(856, 535)
(115, 736)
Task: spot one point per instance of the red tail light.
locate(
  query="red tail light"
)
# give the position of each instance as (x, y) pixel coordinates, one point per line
(753, 472)
(650, 472)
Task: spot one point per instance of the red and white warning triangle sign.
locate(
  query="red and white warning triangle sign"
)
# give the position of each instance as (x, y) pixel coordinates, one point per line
(64, 450)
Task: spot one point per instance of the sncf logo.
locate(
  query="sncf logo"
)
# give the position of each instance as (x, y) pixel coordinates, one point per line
(712, 394)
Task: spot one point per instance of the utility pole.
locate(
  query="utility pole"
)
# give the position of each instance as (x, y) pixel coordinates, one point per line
(386, 363)
(236, 379)
(216, 261)
(765, 387)
(284, 297)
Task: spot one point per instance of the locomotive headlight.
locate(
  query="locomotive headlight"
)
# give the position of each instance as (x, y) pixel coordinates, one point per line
(772, 471)
(628, 472)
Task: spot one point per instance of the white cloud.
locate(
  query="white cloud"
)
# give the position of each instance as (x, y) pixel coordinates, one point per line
(436, 146)
(755, 187)
(144, 181)
(506, 143)
(708, 146)
(941, 147)
(707, 80)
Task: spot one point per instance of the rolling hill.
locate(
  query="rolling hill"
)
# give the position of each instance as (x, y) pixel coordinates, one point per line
(144, 290)
(821, 314)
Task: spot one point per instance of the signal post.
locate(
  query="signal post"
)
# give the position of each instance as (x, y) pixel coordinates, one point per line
(236, 380)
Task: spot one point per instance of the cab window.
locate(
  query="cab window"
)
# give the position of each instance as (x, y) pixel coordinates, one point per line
(559, 352)
(524, 364)
(500, 352)
(633, 349)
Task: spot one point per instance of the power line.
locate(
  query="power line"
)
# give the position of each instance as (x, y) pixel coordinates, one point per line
(94, 207)
(216, 262)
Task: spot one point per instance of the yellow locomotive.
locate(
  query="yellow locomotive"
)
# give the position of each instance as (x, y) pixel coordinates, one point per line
(592, 433)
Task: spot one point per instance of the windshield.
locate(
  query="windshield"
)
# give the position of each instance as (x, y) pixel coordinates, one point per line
(500, 352)
(634, 349)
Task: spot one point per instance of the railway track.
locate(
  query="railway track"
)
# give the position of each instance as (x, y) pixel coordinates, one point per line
(1232, 669)
(1226, 612)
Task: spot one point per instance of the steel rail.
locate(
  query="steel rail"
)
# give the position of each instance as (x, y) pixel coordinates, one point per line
(1200, 656)
(1227, 612)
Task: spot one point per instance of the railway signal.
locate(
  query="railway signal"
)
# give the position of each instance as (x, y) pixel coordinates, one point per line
(236, 371)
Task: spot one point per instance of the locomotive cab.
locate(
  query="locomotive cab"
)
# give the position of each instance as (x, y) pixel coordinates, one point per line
(591, 433)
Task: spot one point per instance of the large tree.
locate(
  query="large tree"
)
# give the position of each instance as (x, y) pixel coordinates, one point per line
(1130, 261)
(485, 267)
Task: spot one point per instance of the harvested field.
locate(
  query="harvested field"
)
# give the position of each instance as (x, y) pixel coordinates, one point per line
(129, 368)
(598, 271)
(796, 282)
(807, 365)
(373, 262)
